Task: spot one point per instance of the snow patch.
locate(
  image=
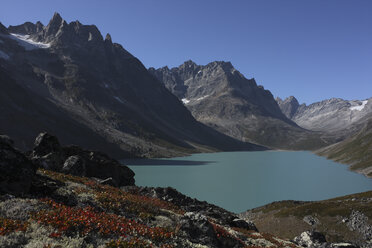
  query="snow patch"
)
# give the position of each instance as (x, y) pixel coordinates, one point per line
(118, 99)
(201, 98)
(185, 100)
(359, 107)
(90, 36)
(27, 43)
(4, 55)
(106, 85)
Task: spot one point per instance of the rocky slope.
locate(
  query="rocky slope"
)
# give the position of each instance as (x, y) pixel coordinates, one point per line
(356, 150)
(341, 219)
(332, 115)
(221, 97)
(46, 201)
(67, 79)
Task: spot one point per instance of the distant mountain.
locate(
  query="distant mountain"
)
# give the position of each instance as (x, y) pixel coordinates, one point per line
(221, 97)
(65, 78)
(332, 115)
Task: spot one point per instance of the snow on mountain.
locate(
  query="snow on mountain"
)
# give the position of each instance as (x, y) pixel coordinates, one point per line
(27, 43)
(359, 107)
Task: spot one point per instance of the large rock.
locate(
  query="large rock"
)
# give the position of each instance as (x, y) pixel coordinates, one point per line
(196, 228)
(310, 239)
(16, 171)
(45, 144)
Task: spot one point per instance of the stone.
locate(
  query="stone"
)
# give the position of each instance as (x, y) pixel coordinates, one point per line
(310, 239)
(16, 171)
(240, 223)
(45, 144)
(74, 165)
(198, 229)
(310, 220)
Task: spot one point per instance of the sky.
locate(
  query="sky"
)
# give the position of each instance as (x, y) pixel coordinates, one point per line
(313, 50)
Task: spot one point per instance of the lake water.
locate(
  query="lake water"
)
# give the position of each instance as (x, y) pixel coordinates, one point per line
(238, 181)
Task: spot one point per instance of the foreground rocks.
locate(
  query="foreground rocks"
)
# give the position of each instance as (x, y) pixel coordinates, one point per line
(50, 155)
(16, 171)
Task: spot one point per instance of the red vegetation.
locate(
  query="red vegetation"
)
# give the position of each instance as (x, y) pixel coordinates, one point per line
(86, 220)
(8, 225)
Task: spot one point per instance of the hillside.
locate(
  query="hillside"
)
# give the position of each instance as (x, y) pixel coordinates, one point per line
(347, 218)
(356, 150)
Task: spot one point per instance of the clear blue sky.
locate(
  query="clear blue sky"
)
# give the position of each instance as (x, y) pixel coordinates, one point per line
(313, 50)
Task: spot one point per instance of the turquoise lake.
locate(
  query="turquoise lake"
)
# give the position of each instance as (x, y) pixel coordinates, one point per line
(238, 181)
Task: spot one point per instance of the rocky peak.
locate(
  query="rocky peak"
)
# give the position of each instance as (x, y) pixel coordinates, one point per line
(108, 38)
(3, 29)
(54, 25)
(289, 106)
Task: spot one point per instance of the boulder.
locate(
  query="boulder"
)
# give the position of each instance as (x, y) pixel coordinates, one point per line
(310, 239)
(16, 171)
(101, 166)
(240, 223)
(196, 228)
(74, 165)
(45, 144)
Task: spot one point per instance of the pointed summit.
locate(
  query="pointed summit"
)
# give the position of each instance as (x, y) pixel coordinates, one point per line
(3, 29)
(54, 24)
(108, 38)
(56, 18)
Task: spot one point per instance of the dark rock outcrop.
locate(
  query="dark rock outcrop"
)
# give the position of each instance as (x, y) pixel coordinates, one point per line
(49, 154)
(16, 171)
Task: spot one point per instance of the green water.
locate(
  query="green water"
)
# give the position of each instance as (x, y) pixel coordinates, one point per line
(238, 181)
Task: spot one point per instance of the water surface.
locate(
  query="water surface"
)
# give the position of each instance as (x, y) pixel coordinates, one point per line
(238, 181)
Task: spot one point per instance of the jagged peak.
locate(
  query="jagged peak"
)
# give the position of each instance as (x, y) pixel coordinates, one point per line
(3, 29)
(56, 18)
(108, 38)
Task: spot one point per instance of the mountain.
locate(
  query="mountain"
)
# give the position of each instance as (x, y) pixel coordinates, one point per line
(221, 97)
(67, 79)
(356, 150)
(331, 115)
